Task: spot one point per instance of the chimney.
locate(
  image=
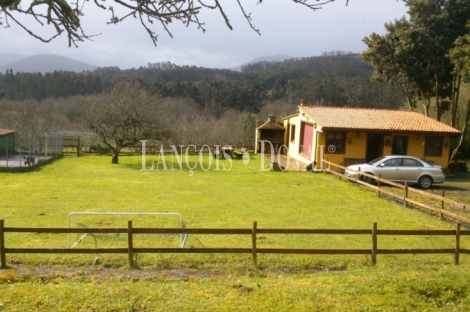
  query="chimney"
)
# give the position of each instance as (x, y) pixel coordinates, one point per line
(271, 118)
(303, 103)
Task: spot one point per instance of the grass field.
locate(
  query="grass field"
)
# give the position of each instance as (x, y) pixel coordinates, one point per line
(211, 198)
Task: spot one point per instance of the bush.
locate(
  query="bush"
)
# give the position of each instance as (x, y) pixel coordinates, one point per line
(458, 166)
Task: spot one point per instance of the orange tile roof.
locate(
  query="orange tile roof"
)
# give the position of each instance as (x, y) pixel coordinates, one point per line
(375, 119)
(6, 131)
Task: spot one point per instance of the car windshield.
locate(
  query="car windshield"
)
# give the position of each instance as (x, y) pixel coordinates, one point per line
(372, 162)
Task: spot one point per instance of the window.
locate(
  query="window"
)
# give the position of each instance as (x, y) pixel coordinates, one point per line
(433, 146)
(292, 133)
(400, 145)
(394, 162)
(306, 139)
(335, 142)
(408, 162)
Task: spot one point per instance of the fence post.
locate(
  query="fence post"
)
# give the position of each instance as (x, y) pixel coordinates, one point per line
(6, 149)
(457, 244)
(3, 262)
(374, 243)
(253, 244)
(442, 204)
(78, 146)
(405, 203)
(358, 176)
(130, 244)
(378, 184)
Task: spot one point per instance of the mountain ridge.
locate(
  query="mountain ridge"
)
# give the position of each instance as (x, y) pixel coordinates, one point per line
(6, 58)
(45, 63)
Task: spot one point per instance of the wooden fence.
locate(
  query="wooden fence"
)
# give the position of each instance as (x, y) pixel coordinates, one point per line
(374, 232)
(405, 195)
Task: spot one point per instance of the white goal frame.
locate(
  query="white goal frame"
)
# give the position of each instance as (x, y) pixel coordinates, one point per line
(183, 236)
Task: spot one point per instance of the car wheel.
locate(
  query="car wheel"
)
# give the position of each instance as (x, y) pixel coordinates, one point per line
(425, 182)
(367, 179)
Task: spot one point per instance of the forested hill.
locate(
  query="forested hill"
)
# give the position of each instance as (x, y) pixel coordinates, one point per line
(329, 64)
(337, 78)
(341, 64)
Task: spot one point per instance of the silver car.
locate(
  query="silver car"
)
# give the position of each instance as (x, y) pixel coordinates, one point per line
(399, 168)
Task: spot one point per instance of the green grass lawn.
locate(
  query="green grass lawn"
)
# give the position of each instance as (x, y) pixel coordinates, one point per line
(210, 198)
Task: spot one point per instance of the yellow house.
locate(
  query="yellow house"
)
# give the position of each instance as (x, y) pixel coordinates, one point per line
(346, 135)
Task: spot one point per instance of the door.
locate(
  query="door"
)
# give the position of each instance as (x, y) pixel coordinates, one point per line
(375, 146)
(390, 169)
(411, 170)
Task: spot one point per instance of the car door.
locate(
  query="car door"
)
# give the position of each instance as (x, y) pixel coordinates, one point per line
(411, 170)
(390, 169)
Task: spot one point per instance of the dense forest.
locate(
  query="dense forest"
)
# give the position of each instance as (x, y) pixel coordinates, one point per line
(337, 79)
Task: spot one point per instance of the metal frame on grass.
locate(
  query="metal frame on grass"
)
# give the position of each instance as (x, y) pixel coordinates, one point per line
(183, 236)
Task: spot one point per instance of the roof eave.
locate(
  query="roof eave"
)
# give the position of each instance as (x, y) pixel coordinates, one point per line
(4, 132)
(455, 134)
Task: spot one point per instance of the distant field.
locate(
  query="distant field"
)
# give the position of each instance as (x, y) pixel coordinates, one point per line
(211, 198)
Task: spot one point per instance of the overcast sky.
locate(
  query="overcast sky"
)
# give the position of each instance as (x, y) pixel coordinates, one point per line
(286, 28)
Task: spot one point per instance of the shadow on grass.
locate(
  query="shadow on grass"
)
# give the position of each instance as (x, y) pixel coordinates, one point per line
(458, 176)
(447, 187)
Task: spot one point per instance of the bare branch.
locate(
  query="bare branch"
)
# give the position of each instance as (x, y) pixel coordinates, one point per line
(65, 18)
(248, 18)
(30, 32)
(315, 6)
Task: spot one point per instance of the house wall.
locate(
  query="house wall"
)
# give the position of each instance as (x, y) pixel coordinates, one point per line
(416, 147)
(293, 146)
(355, 146)
(443, 160)
(387, 145)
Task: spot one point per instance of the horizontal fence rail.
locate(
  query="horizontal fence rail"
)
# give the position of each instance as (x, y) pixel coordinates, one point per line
(404, 197)
(254, 250)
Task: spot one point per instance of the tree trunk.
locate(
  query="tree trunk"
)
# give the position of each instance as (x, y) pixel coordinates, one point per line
(455, 98)
(114, 159)
(115, 156)
(409, 101)
(464, 132)
(438, 105)
(426, 104)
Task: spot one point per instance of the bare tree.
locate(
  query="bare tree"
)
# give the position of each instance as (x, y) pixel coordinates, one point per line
(246, 130)
(65, 17)
(125, 116)
(193, 129)
(33, 119)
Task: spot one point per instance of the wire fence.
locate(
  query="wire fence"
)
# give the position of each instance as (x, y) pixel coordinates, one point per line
(27, 151)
